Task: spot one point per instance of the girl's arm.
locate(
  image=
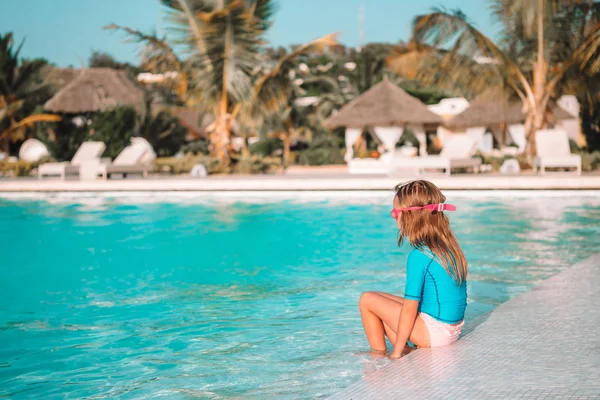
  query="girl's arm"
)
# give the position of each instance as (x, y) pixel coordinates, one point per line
(406, 322)
(416, 268)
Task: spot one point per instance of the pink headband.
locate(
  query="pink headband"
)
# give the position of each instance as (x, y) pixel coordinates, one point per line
(431, 207)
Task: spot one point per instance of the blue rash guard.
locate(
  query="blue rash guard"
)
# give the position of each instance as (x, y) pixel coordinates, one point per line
(437, 292)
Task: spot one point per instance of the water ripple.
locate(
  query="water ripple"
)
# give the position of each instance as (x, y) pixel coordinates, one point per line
(107, 298)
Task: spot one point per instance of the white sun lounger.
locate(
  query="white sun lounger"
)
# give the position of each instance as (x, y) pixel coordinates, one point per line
(553, 151)
(370, 166)
(132, 160)
(87, 153)
(458, 153)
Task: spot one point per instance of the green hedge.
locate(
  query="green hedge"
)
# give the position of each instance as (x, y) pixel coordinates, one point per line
(18, 168)
(324, 151)
(266, 147)
(242, 165)
(256, 164)
(185, 164)
(200, 146)
(590, 161)
(164, 132)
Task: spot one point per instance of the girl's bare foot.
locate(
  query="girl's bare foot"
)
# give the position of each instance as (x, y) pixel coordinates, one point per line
(377, 353)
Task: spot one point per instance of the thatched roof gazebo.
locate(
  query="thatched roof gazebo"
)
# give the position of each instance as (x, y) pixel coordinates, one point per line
(388, 109)
(61, 77)
(495, 112)
(385, 104)
(96, 89)
(492, 108)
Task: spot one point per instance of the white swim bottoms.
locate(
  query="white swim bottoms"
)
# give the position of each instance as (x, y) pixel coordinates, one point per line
(441, 334)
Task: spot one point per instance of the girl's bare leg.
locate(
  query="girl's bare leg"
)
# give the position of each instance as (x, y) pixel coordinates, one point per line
(380, 313)
(389, 332)
(374, 326)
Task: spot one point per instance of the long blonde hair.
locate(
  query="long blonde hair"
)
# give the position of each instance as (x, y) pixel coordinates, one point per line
(424, 228)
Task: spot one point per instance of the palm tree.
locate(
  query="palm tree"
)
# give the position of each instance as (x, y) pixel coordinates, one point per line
(349, 77)
(223, 70)
(362, 69)
(19, 92)
(548, 47)
(292, 124)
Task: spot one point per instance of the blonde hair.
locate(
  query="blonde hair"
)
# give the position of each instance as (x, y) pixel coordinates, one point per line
(424, 228)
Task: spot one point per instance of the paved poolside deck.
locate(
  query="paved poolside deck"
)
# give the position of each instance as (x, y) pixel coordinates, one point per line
(324, 180)
(545, 343)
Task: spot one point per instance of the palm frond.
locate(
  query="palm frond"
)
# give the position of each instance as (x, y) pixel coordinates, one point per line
(450, 52)
(194, 5)
(575, 47)
(161, 52)
(17, 128)
(232, 45)
(262, 10)
(8, 110)
(271, 90)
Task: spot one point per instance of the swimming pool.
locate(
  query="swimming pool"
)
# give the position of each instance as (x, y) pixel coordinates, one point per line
(237, 295)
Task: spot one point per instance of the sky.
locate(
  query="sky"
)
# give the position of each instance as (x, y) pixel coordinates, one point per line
(66, 32)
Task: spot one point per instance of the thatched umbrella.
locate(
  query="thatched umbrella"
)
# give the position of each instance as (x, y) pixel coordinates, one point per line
(388, 109)
(97, 89)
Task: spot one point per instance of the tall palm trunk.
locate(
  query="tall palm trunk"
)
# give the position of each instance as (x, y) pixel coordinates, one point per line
(245, 150)
(537, 114)
(223, 123)
(219, 138)
(286, 147)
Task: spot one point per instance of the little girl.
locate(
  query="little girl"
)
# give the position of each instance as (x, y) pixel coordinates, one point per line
(435, 297)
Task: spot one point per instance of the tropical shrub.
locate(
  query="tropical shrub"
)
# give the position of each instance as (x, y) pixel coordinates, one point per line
(62, 138)
(323, 151)
(266, 147)
(164, 133)
(590, 161)
(199, 146)
(590, 126)
(255, 164)
(115, 128)
(17, 168)
(185, 164)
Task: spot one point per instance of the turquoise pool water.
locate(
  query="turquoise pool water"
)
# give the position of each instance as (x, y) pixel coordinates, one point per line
(219, 296)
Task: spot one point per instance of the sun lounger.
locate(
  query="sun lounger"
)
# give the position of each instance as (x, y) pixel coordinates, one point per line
(553, 151)
(130, 161)
(370, 166)
(457, 153)
(87, 153)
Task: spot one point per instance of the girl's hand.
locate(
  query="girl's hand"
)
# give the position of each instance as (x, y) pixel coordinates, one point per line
(395, 355)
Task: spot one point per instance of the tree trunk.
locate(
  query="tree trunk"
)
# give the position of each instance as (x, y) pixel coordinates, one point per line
(7, 147)
(537, 111)
(530, 136)
(245, 151)
(539, 122)
(219, 139)
(286, 149)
